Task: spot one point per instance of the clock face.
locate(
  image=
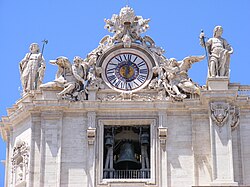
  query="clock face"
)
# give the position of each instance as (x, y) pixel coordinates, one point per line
(127, 71)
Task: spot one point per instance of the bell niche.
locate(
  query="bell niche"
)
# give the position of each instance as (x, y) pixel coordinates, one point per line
(126, 152)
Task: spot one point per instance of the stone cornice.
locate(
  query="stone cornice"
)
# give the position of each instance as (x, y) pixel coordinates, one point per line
(46, 100)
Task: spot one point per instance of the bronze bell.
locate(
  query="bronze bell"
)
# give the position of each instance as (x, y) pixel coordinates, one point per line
(109, 140)
(127, 160)
(145, 138)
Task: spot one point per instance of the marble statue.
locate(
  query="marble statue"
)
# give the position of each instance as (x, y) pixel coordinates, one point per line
(177, 74)
(172, 76)
(127, 29)
(80, 70)
(32, 68)
(72, 78)
(94, 79)
(126, 26)
(219, 53)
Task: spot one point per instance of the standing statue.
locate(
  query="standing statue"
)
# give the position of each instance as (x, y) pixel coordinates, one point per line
(219, 53)
(32, 68)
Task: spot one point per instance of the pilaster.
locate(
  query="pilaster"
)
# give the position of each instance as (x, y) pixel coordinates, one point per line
(35, 157)
(163, 157)
(221, 145)
(91, 134)
(201, 147)
(51, 132)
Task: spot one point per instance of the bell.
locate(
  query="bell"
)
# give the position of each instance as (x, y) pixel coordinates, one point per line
(127, 160)
(145, 139)
(109, 140)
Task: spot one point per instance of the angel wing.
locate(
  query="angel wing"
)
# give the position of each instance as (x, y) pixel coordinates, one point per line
(61, 61)
(186, 63)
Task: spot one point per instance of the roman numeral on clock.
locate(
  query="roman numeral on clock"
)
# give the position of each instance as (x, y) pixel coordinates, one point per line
(111, 71)
(142, 63)
(141, 78)
(112, 78)
(119, 58)
(118, 83)
(129, 85)
(135, 59)
(143, 71)
(127, 57)
(112, 63)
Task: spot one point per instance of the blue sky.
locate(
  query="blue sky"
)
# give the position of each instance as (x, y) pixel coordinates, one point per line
(74, 28)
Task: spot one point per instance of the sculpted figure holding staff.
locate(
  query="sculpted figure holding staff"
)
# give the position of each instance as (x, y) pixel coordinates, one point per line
(32, 68)
(219, 52)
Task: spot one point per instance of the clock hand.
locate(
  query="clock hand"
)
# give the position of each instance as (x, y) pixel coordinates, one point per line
(129, 65)
(127, 72)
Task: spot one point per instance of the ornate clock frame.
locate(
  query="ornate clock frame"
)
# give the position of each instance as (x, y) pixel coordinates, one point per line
(136, 50)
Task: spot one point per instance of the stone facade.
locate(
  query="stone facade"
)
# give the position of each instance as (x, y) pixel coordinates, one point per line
(146, 124)
(194, 150)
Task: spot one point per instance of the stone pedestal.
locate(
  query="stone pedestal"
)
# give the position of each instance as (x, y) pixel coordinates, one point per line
(217, 83)
(92, 93)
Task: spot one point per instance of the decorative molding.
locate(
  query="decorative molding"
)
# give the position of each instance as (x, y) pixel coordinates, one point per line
(220, 112)
(91, 134)
(235, 117)
(162, 134)
(127, 97)
(91, 131)
(20, 160)
(126, 26)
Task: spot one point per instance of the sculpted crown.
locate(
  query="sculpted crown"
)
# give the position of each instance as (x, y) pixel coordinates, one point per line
(127, 15)
(126, 26)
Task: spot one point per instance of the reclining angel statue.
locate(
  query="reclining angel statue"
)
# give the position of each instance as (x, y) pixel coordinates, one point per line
(72, 78)
(173, 77)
